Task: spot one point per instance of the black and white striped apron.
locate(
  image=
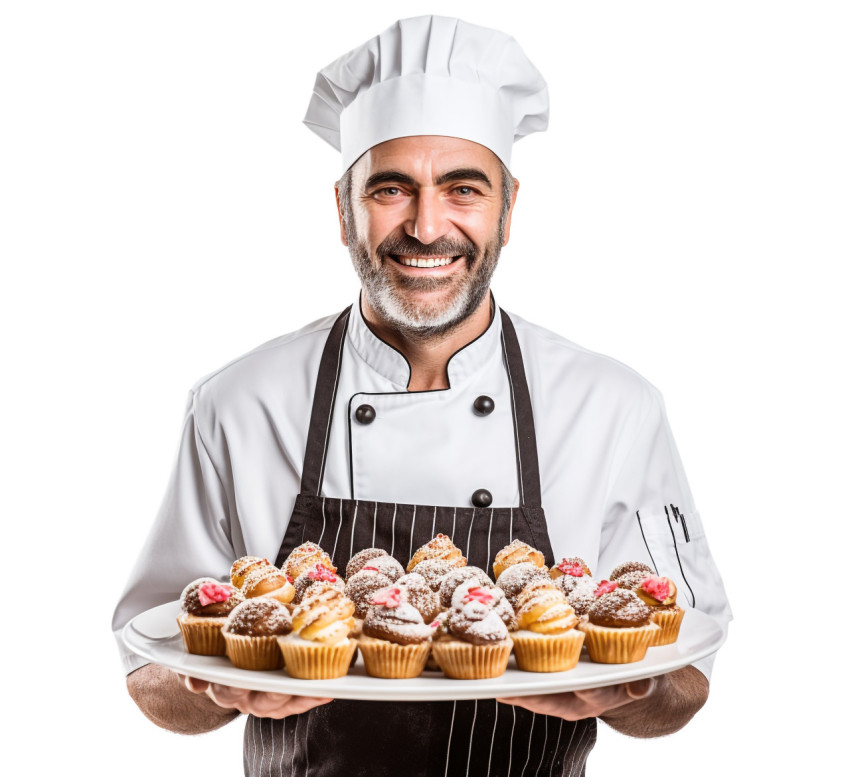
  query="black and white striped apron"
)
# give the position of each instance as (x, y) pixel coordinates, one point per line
(386, 739)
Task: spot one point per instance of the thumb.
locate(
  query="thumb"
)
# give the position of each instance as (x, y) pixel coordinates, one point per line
(640, 689)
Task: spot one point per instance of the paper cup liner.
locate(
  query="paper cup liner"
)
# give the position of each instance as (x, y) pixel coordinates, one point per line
(545, 652)
(617, 646)
(202, 636)
(316, 662)
(387, 659)
(669, 622)
(464, 661)
(253, 652)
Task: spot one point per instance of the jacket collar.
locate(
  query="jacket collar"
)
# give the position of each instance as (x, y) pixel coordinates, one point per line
(392, 365)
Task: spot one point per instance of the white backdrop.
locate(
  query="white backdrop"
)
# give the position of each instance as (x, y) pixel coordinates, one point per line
(163, 210)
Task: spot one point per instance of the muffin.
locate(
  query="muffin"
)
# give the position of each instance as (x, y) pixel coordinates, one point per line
(205, 604)
(475, 644)
(546, 639)
(619, 628)
(304, 558)
(268, 581)
(319, 647)
(659, 594)
(251, 633)
(396, 640)
(518, 552)
(441, 548)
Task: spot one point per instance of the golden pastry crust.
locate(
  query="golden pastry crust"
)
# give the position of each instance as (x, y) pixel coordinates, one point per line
(442, 548)
(324, 617)
(518, 552)
(268, 581)
(573, 566)
(543, 609)
(242, 566)
(304, 558)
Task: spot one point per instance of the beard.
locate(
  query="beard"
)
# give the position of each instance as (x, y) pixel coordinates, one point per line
(393, 295)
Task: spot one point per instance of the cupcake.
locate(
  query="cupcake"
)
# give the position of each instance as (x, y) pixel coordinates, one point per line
(441, 548)
(304, 558)
(475, 643)
(268, 581)
(395, 641)
(619, 628)
(518, 552)
(205, 604)
(319, 574)
(455, 577)
(360, 559)
(242, 566)
(362, 586)
(517, 577)
(582, 592)
(546, 639)
(659, 594)
(251, 633)
(319, 647)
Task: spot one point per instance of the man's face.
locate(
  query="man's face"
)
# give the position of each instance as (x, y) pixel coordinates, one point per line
(425, 226)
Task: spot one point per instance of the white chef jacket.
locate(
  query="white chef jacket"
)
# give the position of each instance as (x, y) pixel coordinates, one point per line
(608, 463)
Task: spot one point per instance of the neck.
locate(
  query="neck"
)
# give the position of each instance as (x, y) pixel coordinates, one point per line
(429, 357)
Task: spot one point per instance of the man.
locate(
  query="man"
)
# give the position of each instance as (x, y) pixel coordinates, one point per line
(424, 408)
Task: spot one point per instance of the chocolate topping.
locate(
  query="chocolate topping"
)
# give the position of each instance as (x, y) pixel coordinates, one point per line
(307, 579)
(420, 595)
(583, 594)
(362, 586)
(455, 577)
(359, 560)
(259, 618)
(434, 570)
(619, 609)
(516, 577)
(190, 599)
(479, 614)
(630, 566)
(402, 624)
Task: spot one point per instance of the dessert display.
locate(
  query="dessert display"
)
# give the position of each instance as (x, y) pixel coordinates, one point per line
(205, 604)
(659, 594)
(268, 580)
(619, 628)
(251, 631)
(473, 641)
(440, 614)
(518, 552)
(441, 548)
(395, 641)
(546, 639)
(319, 647)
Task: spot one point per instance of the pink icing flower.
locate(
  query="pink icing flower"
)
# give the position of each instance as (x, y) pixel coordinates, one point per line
(478, 594)
(657, 587)
(321, 572)
(208, 593)
(605, 587)
(572, 568)
(435, 625)
(389, 597)
(289, 579)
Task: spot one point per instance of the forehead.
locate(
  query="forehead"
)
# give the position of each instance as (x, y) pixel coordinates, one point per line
(425, 157)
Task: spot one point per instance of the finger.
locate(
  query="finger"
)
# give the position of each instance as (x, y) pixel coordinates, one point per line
(194, 684)
(640, 689)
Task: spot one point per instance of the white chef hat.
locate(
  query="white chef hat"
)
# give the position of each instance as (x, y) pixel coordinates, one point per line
(430, 75)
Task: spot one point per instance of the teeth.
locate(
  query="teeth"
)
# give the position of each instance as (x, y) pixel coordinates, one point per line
(412, 261)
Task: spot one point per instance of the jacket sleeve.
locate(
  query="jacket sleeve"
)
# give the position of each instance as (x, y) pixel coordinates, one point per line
(650, 516)
(190, 537)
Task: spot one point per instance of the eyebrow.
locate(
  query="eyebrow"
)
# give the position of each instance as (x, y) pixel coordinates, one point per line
(460, 174)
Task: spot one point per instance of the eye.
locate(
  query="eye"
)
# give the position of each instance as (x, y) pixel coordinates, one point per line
(464, 191)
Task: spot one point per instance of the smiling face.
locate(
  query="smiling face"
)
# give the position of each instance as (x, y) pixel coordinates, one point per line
(425, 218)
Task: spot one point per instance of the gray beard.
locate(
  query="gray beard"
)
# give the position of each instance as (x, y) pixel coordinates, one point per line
(416, 321)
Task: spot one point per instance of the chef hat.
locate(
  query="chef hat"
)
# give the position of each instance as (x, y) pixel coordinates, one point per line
(430, 75)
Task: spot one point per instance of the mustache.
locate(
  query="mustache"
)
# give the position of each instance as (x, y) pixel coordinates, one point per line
(410, 246)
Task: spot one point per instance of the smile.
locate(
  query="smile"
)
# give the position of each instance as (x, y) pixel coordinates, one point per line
(424, 261)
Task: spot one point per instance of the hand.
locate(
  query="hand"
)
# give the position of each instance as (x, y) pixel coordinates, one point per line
(259, 703)
(591, 703)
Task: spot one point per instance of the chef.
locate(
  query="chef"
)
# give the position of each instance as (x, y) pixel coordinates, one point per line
(424, 408)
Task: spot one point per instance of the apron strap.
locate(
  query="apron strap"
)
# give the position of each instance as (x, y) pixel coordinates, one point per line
(528, 468)
(323, 405)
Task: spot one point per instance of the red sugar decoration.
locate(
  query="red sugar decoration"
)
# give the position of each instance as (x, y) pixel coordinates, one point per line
(605, 587)
(479, 595)
(208, 593)
(389, 597)
(572, 568)
(321, 572)
(657, 587)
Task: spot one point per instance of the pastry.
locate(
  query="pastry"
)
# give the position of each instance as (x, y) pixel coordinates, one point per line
(242, 566)
(619, 628)
(396, 640)
(517, 577)
(573, 566)
(455, 577)
(546, 639)
(360, 559)
(582, 594)
(434, 570)
(659, 594)
(305, 557)
(251, 633)
(420, 595)
(476, 643)
(362, 586)
(518, 552)
(442, 548)
(205, 604)
(628, 567)
(268, 581)
(319, 647)
(319, 574)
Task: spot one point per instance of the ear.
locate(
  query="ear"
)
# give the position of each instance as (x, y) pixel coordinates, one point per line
(510, 214)
(343, 234)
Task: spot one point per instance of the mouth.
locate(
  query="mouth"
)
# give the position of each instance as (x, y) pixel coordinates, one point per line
(424, 261)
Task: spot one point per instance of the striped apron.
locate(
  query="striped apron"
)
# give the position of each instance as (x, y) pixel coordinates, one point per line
(386, 739)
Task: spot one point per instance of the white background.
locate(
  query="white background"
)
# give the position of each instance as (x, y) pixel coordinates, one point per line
(163, 210)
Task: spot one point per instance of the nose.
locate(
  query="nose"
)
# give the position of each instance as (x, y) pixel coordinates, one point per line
(429, 217)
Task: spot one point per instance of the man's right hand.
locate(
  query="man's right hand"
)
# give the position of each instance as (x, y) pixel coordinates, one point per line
(262, 704)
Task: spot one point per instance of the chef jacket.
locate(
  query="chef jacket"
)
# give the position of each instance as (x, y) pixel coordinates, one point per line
(612, 483)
